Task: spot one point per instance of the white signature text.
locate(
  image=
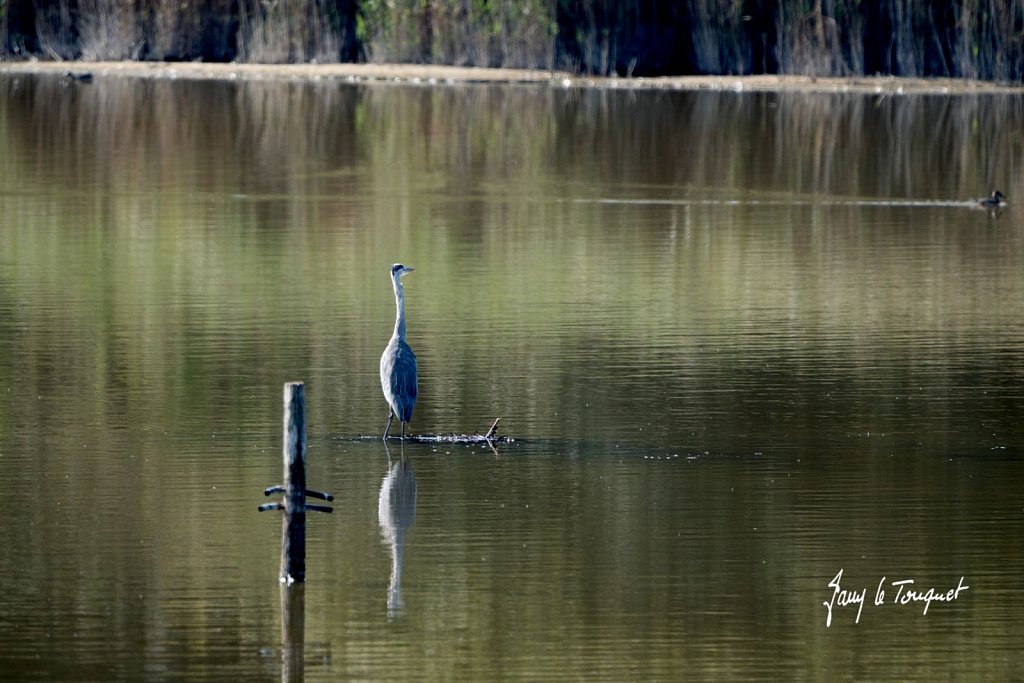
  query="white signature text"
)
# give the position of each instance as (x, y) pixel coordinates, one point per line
(906, 592)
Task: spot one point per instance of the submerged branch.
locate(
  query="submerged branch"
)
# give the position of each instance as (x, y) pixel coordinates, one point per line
(490, 438)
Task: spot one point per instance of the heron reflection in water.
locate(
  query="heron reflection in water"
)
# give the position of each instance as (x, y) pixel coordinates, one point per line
(396, 512)
(398, 363)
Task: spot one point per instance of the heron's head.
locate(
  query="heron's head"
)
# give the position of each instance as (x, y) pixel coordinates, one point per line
(398, 270)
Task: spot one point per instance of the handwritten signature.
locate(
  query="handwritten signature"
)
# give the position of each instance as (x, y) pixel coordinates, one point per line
(906, 593)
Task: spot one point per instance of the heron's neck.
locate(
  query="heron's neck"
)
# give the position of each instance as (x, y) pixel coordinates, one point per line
(400, 316)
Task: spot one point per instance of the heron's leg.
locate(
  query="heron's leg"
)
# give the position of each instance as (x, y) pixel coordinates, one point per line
(391, 416)
(403, 431)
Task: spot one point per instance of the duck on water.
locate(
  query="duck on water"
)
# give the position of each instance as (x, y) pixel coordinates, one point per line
(994, 201)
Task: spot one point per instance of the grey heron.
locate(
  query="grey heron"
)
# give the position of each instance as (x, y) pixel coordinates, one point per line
(398, 363)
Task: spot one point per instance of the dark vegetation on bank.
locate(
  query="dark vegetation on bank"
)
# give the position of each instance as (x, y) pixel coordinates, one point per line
(978, 39)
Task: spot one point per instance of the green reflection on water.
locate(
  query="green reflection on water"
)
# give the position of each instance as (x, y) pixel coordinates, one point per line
(844, 371)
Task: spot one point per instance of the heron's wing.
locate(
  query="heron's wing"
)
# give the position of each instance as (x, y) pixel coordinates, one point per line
(387, 362)
(402, 380)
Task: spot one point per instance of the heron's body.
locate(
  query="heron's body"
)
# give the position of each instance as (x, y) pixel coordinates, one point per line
(398, 362)
(398, 378)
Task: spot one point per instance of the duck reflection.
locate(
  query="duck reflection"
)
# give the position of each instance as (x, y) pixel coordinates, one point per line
(396, 512)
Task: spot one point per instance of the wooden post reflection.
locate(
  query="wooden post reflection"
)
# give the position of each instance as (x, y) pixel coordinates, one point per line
(293, 632)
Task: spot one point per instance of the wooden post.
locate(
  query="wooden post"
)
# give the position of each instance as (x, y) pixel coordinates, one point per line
(293, 525)
(293, 529)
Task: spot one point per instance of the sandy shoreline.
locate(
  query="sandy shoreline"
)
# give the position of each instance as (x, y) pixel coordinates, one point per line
(433, 74)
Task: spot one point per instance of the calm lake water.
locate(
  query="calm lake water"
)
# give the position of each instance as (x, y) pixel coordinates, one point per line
(743, 341)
